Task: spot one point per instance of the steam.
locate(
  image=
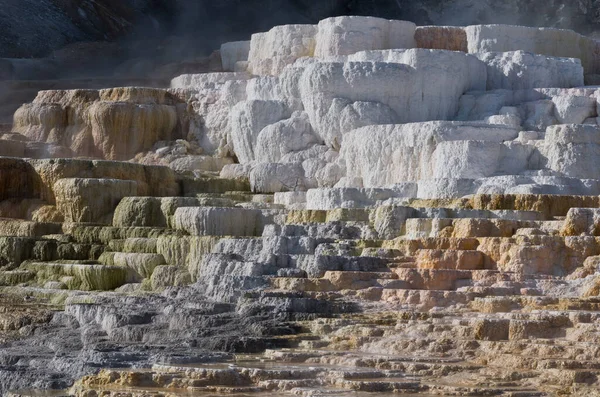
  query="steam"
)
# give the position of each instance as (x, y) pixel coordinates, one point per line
(185, 29)
(202, 26)
(164, 32)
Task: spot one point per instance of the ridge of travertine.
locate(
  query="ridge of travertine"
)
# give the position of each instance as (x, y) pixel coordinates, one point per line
(357, 206)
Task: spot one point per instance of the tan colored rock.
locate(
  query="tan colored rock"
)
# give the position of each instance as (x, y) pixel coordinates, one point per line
(532, 329)
(113, 124)
(538, 254)
(463, 228)
(493, 305)
(306, 216)
(91, 200)
(152, 180)
(21, 228)
(549, 205)
(108, 377)
(431, 279)
(423, 299)
(120, 130)
(530, 259)
(593, 289)
(495, 249)
(348, 214)
(412, 246)
(590, 266)
(491, 329)
(450, 259)
(442, 38)
(30, 209)
(582, 221)
(578, 248)
(355, 280)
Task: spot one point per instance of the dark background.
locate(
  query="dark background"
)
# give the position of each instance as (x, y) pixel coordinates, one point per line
(184, 28)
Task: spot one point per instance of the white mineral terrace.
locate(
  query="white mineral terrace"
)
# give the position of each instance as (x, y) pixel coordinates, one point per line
(355, 207)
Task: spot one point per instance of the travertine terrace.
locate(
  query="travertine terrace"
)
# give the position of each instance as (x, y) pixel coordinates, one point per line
(352, 207)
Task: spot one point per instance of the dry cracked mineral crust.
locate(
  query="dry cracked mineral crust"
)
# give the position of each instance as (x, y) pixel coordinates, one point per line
(351, 207)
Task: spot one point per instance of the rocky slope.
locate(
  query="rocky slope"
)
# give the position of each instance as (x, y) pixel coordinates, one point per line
(356, 206)
(36, 28)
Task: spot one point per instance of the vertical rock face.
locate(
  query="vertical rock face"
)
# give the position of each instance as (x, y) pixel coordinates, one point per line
(217, 221)
(88, 200)
(112, 124)
(270, 52)
(573, 149)
(386, 155)
(416, 206)
(234, 52)
(152, 181)
(248, 119)
(120, 130)
(520, 70)
(549, 42)
(442, 37)
(406, 82)
(18, 179)
(348, 35)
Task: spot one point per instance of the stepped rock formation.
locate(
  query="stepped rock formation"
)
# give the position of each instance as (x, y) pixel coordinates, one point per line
(353, 207)
(113, 124)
